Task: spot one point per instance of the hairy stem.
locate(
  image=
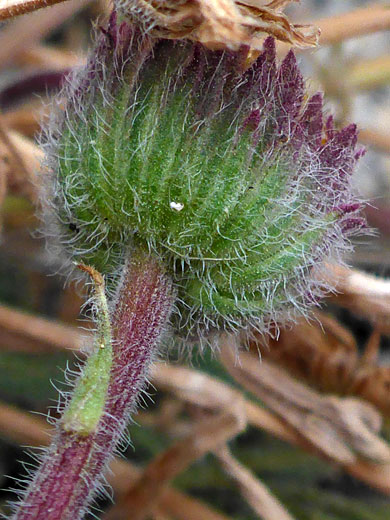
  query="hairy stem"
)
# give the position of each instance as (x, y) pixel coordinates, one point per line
(74, 463)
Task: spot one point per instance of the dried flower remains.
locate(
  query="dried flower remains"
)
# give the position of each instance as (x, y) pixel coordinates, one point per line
(220, 23)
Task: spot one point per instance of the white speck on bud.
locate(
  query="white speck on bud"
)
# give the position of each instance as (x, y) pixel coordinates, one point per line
(177, 206)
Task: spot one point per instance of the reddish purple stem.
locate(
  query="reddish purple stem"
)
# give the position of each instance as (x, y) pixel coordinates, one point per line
(74, 465)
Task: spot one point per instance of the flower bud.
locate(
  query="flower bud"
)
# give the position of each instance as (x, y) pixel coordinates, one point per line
(231, 177)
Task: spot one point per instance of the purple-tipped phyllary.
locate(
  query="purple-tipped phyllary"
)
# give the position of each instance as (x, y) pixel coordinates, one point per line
(195, 185)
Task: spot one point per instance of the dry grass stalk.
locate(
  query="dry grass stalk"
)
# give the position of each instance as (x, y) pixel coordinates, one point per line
(369, 74)
(253, 490)
(200, 389)
(69, 306)
(25, 332)
(178, 380)
(25, 159)
(194, 386)
(168, 418)
(378, 140)
(159, 516)
(21, 331)
(206, 435)
(12, 8)
(342, 430)
(142, 499)
(265, 420)
(375, 475)
(223, 23)
(26, 119)
(364, 294)
(123, 475)
(4, 172)
(186, 384)
(25, 429)
(182, 507)
(33, 30)
(22, 156)
(371, 351)
(46, 57)
(353, 24)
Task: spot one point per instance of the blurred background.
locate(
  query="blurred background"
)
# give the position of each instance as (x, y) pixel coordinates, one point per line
(316, 445)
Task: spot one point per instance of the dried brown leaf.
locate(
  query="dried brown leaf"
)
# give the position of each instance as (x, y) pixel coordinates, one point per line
(222, 23)
(340, 429)
(318, 354)
(322, 353)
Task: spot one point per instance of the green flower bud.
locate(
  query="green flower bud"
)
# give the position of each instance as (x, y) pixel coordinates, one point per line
(227, 176)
